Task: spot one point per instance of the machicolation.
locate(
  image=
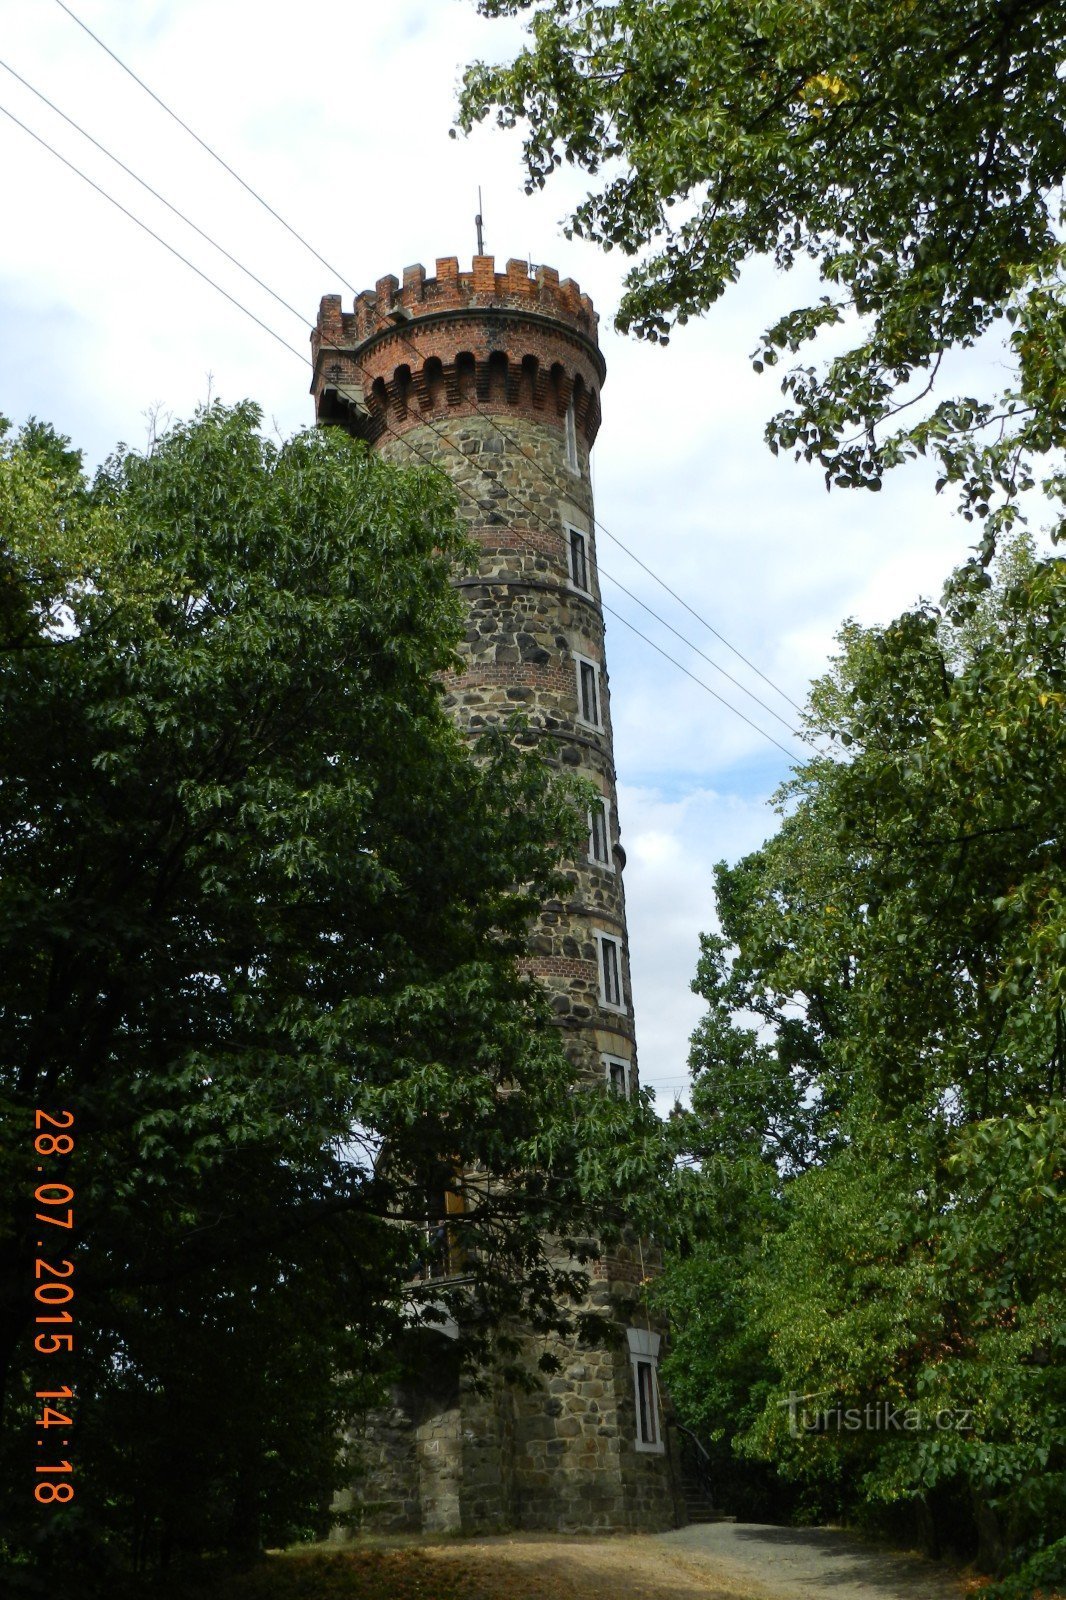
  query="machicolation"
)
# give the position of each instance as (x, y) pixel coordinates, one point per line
(458, 343)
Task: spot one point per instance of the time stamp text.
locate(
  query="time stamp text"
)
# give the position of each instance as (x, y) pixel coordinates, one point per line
(53, 1293)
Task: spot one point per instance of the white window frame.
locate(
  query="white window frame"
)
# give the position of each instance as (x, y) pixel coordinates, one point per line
(573, 461)
(644, 1353)
(570, 529)
(603, 806)
(603, 939)
(610, 1061)
(587, 661)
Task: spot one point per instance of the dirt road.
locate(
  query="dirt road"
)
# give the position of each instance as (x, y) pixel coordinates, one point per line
(718, 1561)
(781, 1563)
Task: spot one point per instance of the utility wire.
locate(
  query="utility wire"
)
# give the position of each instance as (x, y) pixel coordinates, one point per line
(710, 662)
(189, 223)
(303, 320)
(203, 144)
(626, 623)
(407, 442)
(515, 444)
(152, 234)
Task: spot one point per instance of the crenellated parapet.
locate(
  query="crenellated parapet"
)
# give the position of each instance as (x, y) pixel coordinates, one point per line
(456, 344)
(452, 290)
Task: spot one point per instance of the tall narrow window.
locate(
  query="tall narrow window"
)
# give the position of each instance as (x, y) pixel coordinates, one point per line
(578, 555)
(600, 833)
(647, 1421)
(616, 1071)
(571, 439)
(644, 1356)
(588, 692)
(610, 972)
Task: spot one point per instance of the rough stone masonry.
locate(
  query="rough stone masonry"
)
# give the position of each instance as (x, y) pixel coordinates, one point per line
(496, 378)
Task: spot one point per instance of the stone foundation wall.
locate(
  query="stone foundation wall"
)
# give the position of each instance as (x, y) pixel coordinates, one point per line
(562, 1457)
(384, 1496)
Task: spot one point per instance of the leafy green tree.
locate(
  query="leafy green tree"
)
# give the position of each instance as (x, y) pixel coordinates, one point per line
(915, 153)
(258, 932)
(902, 941)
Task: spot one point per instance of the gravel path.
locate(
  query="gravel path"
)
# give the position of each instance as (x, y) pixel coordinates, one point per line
(787, 1563)
(716, 1561)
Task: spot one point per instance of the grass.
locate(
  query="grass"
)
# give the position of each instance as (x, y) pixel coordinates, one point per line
(362, 1574)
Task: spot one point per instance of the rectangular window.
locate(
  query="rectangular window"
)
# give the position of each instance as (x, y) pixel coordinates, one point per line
(647, 1418)
(600, 834)
(571, 440)
(617, 1073)
(578, 556)
(644, 1356)
(610, 972)
(588, 692)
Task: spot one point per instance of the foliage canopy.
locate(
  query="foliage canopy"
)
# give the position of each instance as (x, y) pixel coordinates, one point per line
(879, 1217)
(915, 153)
(260, 914)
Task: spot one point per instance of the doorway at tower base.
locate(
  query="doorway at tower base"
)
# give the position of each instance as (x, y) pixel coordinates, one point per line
(562, 1457)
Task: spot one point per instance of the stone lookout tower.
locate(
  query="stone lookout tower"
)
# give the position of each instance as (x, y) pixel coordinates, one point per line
(495, 377)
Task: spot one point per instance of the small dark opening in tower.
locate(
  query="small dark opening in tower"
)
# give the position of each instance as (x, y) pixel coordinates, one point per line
(465, 369)
(498, 366)
(433, 382)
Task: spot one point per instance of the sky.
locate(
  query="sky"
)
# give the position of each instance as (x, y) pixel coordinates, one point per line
(340, 119)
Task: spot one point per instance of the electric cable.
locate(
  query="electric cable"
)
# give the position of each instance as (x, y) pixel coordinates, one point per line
(189, 223)
(349, 285)
(407, 442)
(152, 234)
(203, 143)
(626, 623)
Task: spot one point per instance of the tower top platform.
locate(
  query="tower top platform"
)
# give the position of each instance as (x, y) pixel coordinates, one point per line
(458, 342)
(482, 288)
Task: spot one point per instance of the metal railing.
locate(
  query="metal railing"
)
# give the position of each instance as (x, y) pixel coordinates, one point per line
(695, 1463)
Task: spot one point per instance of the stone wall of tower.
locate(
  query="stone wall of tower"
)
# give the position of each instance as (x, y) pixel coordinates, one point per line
(495, 379)
(526, 626)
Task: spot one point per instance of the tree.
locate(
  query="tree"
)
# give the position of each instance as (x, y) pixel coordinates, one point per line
(260, 909)
(916, 153)
(900, 1114)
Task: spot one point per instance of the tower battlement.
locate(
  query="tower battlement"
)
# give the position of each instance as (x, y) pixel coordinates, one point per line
(452, 290)
(459, 342)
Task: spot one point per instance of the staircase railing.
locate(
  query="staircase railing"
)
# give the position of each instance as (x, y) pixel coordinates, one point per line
(695, 1462)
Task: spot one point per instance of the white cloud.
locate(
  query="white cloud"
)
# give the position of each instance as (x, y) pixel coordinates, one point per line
(672, 839)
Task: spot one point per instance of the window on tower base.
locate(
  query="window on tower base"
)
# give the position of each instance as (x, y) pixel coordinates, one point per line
(644, 1358)
(578, 558)
(616, 1071)
(610, 972)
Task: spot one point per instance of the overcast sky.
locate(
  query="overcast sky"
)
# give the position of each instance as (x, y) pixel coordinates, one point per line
(340, 118)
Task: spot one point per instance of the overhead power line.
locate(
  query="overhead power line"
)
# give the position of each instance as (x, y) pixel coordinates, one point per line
(285, 304)
(152, 234)
(516, 444)
(626, 623)
(189, 223)
(203, 144)
(408, 443)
